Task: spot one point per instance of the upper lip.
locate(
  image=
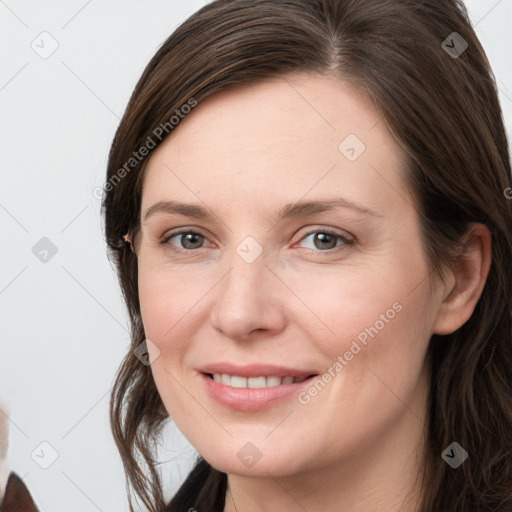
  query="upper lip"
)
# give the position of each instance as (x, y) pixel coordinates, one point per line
(255, 370)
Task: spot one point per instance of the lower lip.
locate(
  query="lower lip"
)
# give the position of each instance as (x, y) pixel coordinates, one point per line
(252, 399)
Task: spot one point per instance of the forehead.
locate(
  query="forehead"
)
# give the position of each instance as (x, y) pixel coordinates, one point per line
(279, 140)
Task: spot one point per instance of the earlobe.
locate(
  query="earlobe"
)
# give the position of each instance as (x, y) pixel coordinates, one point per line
(470, 273)
(127, 238)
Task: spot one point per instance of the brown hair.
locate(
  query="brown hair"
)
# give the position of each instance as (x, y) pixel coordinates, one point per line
(444, 109)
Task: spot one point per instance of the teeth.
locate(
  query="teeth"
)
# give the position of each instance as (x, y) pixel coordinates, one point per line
(236, 381)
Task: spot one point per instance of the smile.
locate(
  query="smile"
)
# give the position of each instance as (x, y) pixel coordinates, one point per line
(237, 381)
(250, 394)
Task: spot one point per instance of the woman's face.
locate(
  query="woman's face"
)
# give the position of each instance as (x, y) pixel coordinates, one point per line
(339, 290)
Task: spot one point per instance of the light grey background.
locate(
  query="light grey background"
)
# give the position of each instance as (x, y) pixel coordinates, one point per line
(63, 326)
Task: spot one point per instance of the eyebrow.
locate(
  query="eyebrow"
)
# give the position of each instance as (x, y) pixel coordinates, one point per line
(292, 210)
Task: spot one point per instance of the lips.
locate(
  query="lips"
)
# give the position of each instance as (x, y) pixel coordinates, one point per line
(256, 370)
(251, 399)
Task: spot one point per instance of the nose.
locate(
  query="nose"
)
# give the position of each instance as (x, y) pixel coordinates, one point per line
(249, 299)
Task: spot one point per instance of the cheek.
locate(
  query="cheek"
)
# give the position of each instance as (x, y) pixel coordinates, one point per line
(154, 304)
(164, 305)
(166, 298)
(173, 308)
(372, 319)
(383, 331)
(374, 363)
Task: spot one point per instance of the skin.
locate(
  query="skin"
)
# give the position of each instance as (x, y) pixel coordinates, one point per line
(244, 153)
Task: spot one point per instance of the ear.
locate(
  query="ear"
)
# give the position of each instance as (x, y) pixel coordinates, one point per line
(17, 498)
(465, 286)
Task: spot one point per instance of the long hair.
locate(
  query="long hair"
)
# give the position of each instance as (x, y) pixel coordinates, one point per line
(423, 68)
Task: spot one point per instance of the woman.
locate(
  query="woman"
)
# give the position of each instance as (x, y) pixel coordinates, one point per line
(343, 168)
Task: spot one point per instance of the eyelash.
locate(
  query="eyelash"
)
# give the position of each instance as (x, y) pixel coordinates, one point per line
(347, 241)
